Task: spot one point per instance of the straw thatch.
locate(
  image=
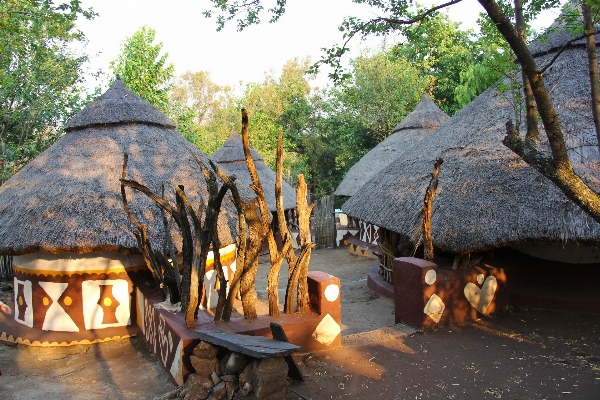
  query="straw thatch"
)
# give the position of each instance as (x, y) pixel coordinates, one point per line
(68, 199)
(414, 127)
(487, 196)
(231, 157)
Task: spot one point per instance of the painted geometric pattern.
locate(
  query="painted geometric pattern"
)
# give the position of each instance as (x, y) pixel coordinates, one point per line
(105, 303)
(23, 302)
(71, 303)
(56, 318)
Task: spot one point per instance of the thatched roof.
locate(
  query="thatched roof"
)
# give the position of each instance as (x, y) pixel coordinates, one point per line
(68, 199)
(414, 127)
(487, 196)
(231, 157)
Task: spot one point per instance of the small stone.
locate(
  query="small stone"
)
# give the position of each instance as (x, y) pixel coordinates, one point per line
(215, 378)
(204, 367)
(272, 364)
(206, 350)
(243, 378)
(220, 391)
(231, 387)
(196, 388)
(228, 378)
(247, 388)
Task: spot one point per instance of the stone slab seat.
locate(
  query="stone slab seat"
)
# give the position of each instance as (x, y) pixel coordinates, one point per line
(253, 346)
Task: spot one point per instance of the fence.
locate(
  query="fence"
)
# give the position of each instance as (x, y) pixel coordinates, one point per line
(324, 223)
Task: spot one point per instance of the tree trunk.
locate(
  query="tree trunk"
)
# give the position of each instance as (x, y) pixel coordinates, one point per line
(558, 168)
(593, 67)
(532, 135)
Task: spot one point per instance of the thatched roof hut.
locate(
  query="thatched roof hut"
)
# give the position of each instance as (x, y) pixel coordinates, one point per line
(425, 118)
(487, 196)
(231, 157)
(68, 199)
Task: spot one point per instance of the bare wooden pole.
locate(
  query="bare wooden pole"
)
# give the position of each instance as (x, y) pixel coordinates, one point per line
(273, 278)
(274, 255)
(304, 211)
(427, 211)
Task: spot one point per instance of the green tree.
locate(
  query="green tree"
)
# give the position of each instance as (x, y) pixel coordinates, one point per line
(382, 90)
(555, 165)
(40, 77)
(460, 65)
(273, 106)
(333, 128)
(143, 68)
(212, 111)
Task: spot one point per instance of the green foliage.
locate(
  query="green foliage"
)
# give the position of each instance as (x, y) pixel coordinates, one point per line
(40, 77)
(143, 68)
(208, 112)
(459, 64)
(278, 104)
(383, 89)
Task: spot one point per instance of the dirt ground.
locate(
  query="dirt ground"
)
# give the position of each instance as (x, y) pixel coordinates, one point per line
(516, 354)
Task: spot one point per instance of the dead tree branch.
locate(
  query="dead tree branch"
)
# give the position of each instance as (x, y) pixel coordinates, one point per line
(428, 210)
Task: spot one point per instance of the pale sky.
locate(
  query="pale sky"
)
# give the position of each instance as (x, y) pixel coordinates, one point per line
(230, 56)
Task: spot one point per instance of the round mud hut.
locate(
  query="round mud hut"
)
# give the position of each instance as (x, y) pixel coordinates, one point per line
(423, 120)
(76, 259)
(488, 198)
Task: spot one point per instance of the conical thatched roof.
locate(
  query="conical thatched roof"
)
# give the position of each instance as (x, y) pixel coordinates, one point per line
(68, 199)
(414, 127)
(487, 196)
(231, 157)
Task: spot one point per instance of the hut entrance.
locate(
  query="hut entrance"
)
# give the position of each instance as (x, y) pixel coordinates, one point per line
(324, 222)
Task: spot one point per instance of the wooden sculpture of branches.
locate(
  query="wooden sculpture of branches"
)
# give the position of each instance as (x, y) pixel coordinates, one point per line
(275, 257)
(249, 243)
(254, 226)
(195, 246)
(297, 286)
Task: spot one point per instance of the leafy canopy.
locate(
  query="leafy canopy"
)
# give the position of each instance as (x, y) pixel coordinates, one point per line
(143, 68)
(40, 77)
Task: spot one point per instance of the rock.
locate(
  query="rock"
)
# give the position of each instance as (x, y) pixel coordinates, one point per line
(273, 364)
(267, 376)
(231, 387)
(215, 378)
(206, 350)
(220, 391)
(229, 378)
(203, 367)
(243, 378)
(196, 387)
(246, 389)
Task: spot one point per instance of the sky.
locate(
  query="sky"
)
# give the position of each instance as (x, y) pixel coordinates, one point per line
(231, 57)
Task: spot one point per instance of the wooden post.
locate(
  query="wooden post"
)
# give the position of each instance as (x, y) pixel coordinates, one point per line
(334, 225)
(427, 211)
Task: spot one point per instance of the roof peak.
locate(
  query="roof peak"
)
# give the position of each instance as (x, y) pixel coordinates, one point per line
(425, 115)
(118, 105)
